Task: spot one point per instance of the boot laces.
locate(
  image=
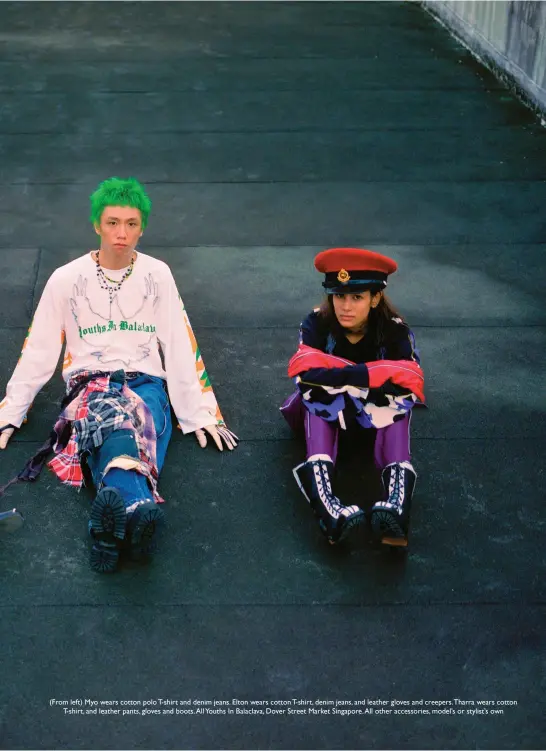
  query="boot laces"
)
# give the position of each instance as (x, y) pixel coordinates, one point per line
(396, 487)
(327, 497)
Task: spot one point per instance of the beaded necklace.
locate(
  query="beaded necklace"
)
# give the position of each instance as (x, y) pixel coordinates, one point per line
(111, 285)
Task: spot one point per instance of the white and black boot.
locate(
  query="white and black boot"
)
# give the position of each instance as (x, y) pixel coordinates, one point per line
(390, 518)
(314, 480)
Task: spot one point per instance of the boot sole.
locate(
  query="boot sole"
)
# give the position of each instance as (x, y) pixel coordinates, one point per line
(387, 528)
(103, 558)
(353, 521)
(142, 530)
(349, 525)
(107, 527)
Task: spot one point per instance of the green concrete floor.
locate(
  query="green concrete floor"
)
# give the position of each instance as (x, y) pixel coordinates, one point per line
(266, 132)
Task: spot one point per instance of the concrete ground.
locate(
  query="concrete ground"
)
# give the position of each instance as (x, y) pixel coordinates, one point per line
(266, 132)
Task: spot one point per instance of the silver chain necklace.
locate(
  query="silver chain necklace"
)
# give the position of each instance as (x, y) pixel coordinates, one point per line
(111, 285)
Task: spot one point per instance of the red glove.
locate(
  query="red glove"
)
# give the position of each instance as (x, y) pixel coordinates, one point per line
(309, 357)
(405, 373)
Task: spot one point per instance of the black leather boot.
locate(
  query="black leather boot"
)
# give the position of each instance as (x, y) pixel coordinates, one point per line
(335, 519)
(390, 518)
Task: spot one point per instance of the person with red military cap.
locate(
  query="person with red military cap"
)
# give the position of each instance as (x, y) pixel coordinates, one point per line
(356, 365)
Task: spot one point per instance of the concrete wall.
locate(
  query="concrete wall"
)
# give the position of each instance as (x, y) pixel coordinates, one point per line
(508, 35)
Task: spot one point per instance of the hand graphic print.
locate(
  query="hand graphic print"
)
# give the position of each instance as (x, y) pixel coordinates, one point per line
(81, 302)
(146, 306)
(84, 314)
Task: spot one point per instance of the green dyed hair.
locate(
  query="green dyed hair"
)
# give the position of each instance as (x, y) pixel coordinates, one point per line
(118, 192)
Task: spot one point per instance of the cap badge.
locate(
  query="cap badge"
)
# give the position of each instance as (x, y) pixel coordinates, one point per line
(343, 276)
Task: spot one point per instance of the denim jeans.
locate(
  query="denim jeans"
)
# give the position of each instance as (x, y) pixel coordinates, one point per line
(131, 484)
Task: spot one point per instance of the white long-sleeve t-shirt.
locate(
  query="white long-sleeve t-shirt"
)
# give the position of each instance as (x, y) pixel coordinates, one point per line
(107, 335)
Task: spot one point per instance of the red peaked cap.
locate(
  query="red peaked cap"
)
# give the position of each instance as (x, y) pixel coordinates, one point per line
(353, 269)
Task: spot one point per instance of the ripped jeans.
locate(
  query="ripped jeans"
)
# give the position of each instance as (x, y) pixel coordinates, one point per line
(131, 484)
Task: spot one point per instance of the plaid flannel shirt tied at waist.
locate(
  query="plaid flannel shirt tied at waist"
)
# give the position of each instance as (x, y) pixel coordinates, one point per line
(103, 405)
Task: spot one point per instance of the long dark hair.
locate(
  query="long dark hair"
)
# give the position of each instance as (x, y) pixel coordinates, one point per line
(379, 320)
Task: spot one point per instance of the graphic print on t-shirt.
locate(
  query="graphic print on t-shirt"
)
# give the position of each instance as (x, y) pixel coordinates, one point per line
(95, 321)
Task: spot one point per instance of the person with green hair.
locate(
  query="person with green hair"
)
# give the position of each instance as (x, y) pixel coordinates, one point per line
(130, 356)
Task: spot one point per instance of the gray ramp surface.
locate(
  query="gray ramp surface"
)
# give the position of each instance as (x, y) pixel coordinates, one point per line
(266, 132)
